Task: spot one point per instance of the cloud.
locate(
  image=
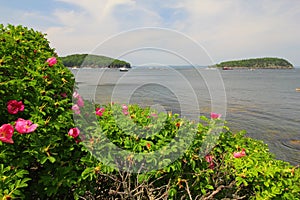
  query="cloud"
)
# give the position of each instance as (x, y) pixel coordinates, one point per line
(94, 21)
(237, 29)
(227, 29)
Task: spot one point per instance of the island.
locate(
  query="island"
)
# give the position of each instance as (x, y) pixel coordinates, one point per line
(256, 63)
(93, 61)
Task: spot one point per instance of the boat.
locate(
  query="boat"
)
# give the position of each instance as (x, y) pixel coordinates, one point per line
(123, 69)
(227, 68)
(298, 89)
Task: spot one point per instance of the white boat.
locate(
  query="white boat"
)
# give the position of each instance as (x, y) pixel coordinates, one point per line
(123, 69)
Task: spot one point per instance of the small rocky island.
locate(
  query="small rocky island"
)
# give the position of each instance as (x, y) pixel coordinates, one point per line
(256, 63)
(93, 61)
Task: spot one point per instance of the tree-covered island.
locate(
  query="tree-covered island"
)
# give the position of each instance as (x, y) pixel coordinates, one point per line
(256, 63)
(93, 61)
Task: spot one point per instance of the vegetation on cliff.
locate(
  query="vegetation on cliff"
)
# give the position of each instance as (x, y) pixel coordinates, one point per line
(257, 63)
(94, 61)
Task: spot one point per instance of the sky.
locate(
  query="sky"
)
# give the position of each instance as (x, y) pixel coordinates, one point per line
(164, 31)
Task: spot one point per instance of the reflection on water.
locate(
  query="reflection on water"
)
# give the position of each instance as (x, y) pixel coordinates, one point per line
(262, 102)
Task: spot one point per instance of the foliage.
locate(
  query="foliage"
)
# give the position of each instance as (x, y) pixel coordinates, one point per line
(253, 175)
(48, 157)
(257, 63)
(40, 158)
(86, 60)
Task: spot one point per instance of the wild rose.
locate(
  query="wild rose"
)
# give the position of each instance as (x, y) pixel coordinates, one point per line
(51, 61)
(6, 133)
(64, 95)
(74, 132)
(100, 111)
(25, 126)
(154, 115)
(13, 106)
(239, 154)
(215, 115)
(76, 95)
(125, 112)
(76, 109)
(80, 102)
(124, 107)
(209, 159)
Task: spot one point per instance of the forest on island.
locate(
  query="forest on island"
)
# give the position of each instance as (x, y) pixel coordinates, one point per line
(264, 63)
(94, 61)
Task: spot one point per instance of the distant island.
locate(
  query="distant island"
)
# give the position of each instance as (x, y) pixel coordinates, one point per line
(93, 61)
(256, 63)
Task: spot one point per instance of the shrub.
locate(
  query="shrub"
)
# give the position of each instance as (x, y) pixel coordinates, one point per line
(44, 155)
(35, 86)
(238, 167)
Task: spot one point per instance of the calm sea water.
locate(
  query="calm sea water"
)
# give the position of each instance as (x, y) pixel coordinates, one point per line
(262, 102)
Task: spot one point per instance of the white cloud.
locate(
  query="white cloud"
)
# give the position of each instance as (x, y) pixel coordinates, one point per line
(228, 29)
(236, 29)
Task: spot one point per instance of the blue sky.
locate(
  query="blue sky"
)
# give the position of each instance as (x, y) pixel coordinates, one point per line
(225, 30)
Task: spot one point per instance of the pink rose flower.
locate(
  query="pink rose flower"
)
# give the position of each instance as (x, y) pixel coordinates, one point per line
(209, 159)
(154, 115)
(25, 126)
(51, 61)
(64, 95)
(76, 109)
(124, 107)
(80, 102)
(76, 95)
(74, 132)
(6, 133)
(215, 115)
(239, 154)
(125, 112)
(100, 111)
(13, 106)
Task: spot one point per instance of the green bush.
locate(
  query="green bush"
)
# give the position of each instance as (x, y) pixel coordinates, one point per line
(46, 161)
(43, 155)
(238, 167)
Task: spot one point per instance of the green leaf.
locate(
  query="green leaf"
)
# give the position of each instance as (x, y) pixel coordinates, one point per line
(51, 159)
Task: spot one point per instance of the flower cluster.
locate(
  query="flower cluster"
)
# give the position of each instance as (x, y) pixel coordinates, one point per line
(210, 161)
(74, 132)
(79, 103)
(21, 125)
(125, 109)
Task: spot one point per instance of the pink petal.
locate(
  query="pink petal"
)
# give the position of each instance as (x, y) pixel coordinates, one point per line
(51, 61)
(80, 102)
(215, 115)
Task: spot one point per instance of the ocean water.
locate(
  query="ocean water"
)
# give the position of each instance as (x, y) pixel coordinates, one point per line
(265, 103)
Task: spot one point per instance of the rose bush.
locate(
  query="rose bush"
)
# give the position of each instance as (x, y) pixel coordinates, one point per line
(45, 155)
(35, 104)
